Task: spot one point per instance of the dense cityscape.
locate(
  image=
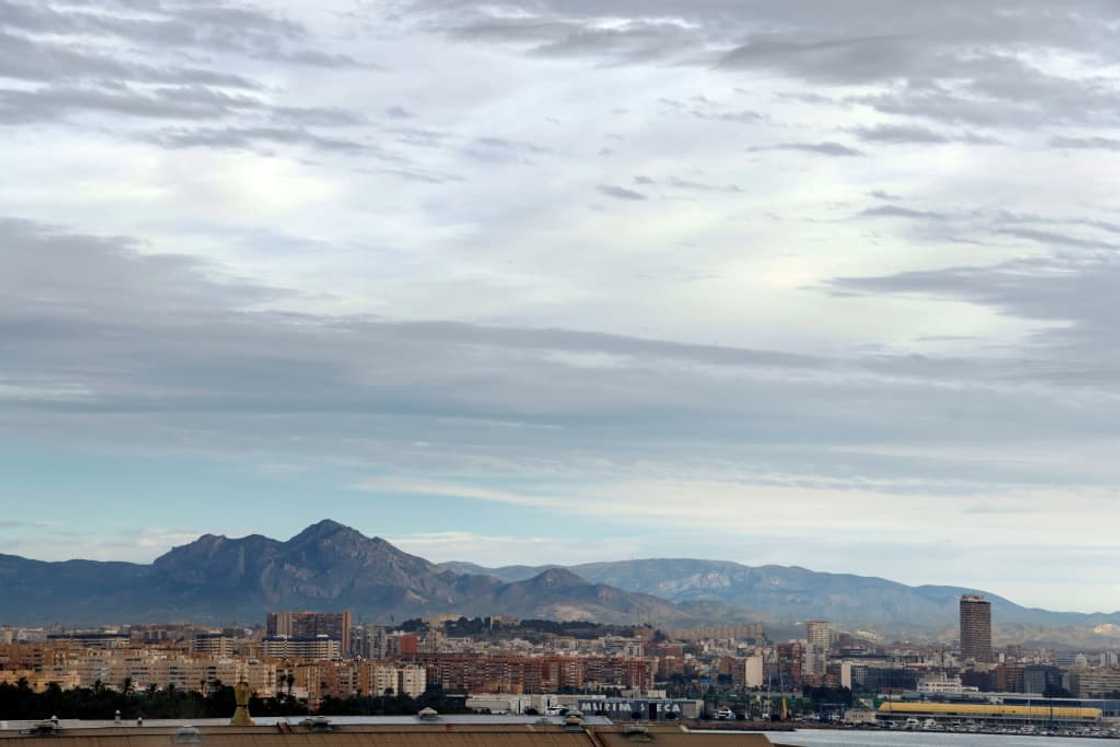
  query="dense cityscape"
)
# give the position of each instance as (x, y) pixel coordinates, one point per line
(300, 662)
(559, 373)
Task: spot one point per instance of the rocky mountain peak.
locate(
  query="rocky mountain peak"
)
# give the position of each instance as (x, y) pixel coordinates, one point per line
(557, 578)
(327, 529)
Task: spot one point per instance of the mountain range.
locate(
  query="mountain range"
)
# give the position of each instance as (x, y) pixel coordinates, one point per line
(330, 566)
(785, 595)
(326, 566)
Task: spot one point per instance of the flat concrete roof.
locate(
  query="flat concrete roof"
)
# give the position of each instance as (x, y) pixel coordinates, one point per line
(388, 735)
(458, 718)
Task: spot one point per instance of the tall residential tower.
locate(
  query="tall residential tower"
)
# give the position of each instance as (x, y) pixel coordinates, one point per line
(819, 635)
(976, 628)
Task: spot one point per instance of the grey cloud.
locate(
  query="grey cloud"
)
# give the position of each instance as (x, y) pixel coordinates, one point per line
(824, 149)
(504, 144)
(281, 125)
(1060, 235)
(314, 58)
(951, 21)
(251, 137)
(804, 97)
(162, 348)
(1056, 239)
(1000, 89)
(1102, 225)
(120, 345)
(106, 275)
(317, 117)
(153, 61)
(1086, 143)
(398, 112)
(704, 108)
(1032, 226)
(501, 150)
(1004, 101)
(205, 26)
(702, 187)
(1067, 290)
(426, 177)
(914, 134)
(523, 29)
(743, 115)
(52, 103)
(1056, 289)
(894, 211)
(634, 41)
(45, 61)
(857, 59)
(620, 193)
(420, 136)
(951, 62)
(1007, 217)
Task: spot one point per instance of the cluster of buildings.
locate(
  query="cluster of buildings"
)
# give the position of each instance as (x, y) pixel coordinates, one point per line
(305, 666)
(976, 668)
(311, 656)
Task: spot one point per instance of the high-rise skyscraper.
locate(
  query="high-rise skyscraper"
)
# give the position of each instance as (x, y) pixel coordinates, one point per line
(976, 628)
(818, 634)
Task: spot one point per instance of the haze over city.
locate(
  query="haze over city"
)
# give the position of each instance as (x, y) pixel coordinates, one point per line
(819, 284)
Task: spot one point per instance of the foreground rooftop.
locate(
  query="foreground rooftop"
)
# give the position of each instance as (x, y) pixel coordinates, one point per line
(442, 734)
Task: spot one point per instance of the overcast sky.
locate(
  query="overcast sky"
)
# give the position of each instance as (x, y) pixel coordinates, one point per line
(832, 284)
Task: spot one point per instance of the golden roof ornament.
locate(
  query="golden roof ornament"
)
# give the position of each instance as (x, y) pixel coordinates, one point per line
(241, 695)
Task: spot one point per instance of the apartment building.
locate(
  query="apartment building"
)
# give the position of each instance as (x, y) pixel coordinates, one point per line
(534, 674)
(311, 625)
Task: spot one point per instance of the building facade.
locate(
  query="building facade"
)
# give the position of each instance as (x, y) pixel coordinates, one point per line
(212, 644)
(473, 673)
(1095, 683)
(319, 647)
(818, 634)
(307, 625)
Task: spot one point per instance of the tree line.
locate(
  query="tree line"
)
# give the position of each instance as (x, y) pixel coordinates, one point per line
(20, 702)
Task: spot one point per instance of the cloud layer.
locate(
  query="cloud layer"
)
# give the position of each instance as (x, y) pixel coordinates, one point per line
(770, 281)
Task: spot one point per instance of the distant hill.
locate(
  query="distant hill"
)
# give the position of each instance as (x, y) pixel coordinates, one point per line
(326, 566)
(789, 594)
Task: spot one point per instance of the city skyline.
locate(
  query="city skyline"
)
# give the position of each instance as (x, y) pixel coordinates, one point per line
(813, 284)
